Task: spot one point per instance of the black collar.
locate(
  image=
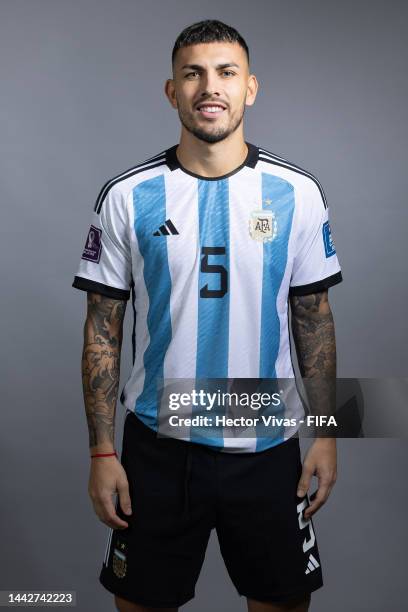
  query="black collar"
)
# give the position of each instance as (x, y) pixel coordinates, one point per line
(250, 161)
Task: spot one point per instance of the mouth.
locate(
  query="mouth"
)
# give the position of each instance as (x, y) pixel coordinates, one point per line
(210, 110)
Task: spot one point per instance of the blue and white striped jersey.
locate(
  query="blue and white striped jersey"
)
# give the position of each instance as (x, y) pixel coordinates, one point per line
(209, 264)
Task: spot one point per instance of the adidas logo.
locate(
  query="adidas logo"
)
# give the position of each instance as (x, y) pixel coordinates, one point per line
(166, 229)
(312, 564)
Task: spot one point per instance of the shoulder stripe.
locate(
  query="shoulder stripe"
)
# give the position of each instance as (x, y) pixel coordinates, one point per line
(280, 161)
(152, 162)
(291, 164)
(274, 155)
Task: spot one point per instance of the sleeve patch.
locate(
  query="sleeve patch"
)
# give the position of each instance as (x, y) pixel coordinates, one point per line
(93, 245)
(328, 240)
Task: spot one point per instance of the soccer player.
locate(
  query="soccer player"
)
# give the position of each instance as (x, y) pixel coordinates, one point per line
(213, 238)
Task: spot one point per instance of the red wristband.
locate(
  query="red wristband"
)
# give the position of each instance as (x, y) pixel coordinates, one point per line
(104, 455)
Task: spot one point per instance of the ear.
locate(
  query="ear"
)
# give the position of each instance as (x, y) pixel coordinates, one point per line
(170, 91)
(252, 89)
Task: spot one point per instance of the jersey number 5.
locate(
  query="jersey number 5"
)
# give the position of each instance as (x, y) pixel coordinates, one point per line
(205, 292)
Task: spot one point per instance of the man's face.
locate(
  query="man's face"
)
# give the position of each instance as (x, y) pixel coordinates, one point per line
(210, 87)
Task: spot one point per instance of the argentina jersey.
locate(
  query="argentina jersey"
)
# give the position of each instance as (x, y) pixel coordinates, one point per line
(209, 264)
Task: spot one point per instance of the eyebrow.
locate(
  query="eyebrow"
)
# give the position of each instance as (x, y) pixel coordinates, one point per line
(218, 67)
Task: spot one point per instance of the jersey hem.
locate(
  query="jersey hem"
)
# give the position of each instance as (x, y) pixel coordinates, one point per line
(320, 285)
(85, 284)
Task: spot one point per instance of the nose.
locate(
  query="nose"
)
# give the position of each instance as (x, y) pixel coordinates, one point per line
(210, 86)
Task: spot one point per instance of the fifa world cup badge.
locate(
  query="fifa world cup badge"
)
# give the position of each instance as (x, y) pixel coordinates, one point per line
(263, 226)
(119, 564)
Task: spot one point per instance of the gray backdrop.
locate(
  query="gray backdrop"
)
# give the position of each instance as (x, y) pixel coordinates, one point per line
(81, 101)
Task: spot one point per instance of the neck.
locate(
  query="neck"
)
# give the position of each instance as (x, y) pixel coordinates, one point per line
(211, 160)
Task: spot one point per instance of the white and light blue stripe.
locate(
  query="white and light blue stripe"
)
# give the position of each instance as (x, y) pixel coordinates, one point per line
(158, 284)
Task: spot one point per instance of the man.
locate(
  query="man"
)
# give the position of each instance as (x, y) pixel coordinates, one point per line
(212, 237)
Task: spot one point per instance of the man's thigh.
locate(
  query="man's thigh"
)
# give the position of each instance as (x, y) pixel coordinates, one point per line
(269, 550)
(156, 561)
(126, 606)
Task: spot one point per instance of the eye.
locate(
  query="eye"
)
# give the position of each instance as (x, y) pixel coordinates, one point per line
(228, 73)
(191, 75)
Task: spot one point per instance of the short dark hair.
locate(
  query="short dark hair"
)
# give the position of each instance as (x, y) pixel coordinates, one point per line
(208, 31)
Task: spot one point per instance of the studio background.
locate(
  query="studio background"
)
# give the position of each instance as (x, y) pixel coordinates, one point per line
(82, 100)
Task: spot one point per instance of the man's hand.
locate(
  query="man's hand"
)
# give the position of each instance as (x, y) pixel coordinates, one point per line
(320, 461)
(106, 478)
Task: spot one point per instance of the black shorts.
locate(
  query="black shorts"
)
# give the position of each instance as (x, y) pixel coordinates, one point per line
(180, 491)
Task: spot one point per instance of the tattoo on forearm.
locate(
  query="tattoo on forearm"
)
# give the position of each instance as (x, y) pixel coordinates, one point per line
(313, 333)
(101, 365)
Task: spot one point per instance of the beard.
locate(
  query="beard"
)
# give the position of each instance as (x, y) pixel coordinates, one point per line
(210, 135)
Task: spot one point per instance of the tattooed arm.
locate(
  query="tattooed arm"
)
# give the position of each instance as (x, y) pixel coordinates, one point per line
(313, 334)
(103, 333)
(101, 368)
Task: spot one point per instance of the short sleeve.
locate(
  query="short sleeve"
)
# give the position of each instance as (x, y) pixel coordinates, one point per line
(316, 266)
(105, 264)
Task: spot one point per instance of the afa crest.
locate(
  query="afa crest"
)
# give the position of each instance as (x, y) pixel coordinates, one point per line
(263, 226)
(119, 564)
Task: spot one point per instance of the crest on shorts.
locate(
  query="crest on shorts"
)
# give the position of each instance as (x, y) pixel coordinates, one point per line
(263, 226)
(119, 564)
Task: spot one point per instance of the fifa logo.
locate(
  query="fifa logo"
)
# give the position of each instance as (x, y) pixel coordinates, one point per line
(91, 237)
(93, 245)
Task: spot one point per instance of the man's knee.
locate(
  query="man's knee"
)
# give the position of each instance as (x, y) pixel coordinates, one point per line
(123, 605)
(297, 604)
